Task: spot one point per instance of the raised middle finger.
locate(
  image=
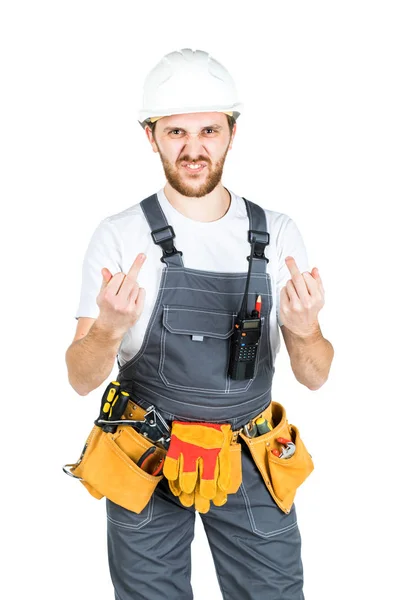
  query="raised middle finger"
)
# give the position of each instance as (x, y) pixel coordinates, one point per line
(130, 280)
(297, 279)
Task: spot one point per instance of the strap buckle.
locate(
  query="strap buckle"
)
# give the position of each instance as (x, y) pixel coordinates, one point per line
(163, 237)
(261, 239)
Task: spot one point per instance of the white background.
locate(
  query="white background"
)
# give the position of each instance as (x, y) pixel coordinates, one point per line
(319, 141)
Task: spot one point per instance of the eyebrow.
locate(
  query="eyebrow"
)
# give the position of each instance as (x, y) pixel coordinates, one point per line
(170, 127)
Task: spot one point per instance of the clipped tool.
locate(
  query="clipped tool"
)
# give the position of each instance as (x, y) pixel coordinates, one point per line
(113, 404)
(250, 431)
(263, 426)
(152, 426)
(287, 450)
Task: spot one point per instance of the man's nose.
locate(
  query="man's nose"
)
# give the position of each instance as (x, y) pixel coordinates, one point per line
(193, 144)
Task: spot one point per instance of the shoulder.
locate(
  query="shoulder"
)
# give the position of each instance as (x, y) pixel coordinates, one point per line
(122, 226)
(124, 219)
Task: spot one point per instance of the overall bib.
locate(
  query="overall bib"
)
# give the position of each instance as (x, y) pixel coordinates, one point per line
(181, 369)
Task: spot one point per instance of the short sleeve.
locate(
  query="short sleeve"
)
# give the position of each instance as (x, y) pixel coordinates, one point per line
(104, 250)
(289, 243)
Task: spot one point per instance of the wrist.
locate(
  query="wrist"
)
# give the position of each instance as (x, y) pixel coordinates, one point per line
(106, 334)
(312, 336)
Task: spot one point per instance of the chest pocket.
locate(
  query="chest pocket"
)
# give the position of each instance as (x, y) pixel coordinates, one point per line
(195, 348)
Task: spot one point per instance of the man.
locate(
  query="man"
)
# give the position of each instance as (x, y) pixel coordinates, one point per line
(171, 337)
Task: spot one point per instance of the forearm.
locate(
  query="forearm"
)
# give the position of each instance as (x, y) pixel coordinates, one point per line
(311, 359)
(91, 359)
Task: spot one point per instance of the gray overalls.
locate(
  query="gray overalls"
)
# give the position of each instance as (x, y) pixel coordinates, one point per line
(181, 369)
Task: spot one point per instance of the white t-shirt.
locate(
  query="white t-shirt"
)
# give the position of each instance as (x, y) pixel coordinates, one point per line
(220, 245)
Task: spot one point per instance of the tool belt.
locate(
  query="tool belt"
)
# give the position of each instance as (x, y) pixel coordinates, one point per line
(108, 465)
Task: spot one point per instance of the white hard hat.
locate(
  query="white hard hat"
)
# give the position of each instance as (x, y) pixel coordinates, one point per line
(188, 81)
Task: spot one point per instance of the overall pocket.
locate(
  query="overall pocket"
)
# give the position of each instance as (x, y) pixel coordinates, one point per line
(282, 476)
(195, 349)
(108, 467)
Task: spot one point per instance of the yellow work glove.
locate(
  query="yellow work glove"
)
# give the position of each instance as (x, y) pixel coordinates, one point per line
(197, 464)
(202, 504)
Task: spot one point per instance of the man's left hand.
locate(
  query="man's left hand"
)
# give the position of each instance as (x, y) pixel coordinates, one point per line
(301, 299)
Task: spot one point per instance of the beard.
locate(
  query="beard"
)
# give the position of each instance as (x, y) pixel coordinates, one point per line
(182, 184)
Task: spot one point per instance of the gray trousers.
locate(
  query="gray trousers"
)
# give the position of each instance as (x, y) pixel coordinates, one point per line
(256, 547)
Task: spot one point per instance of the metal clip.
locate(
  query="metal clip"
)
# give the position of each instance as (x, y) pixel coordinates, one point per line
(250, 431)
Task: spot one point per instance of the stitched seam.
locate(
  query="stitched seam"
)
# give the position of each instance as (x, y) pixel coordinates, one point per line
(209, 291)
(167, 313)
(130, 464)
(252, 521)
(139, 441)
(197, 310)
(139, 525)
(86, 455)
(162, 352)
(200, 389)
(270, 362)
(186, 403)
(215, 563)
(213, 275)
(220, 336)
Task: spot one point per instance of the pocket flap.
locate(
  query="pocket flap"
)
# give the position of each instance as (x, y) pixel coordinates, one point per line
(189, 320)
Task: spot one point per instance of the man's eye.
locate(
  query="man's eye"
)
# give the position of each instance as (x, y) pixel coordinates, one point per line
(181, 130)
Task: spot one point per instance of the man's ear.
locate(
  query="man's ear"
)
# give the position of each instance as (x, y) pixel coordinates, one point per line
(232, 137)
(150, 137)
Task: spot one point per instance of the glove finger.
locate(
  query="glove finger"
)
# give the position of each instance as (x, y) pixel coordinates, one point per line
(171, 467)
(220, 498)
(187, 499)
(207, 487)
(187, 479)
(201, 504)
(174, 487)
(224, 469)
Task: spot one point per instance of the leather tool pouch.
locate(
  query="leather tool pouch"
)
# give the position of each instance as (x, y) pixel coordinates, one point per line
(107, 466)
(282, 476)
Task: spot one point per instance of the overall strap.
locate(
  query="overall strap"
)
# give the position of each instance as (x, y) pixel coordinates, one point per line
(258, 232)
(162, 233)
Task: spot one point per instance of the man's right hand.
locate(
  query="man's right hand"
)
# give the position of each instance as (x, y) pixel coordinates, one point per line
(120, 299)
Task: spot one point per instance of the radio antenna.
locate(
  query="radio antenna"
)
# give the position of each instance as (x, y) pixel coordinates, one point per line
(243, 310)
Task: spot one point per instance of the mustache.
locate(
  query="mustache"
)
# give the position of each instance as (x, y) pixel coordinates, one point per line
(195, 160)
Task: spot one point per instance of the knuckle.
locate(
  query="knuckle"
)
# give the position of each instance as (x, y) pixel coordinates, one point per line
(108, 296)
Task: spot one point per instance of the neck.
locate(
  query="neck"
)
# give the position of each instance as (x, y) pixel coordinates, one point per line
(211, 207)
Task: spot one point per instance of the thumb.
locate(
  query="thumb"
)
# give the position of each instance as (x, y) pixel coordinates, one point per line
(107, 276)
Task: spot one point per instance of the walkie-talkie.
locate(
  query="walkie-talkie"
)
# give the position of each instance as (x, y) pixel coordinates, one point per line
(245, 338)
